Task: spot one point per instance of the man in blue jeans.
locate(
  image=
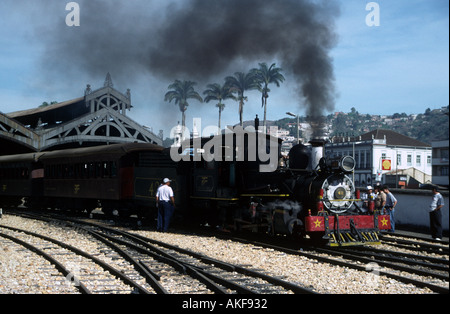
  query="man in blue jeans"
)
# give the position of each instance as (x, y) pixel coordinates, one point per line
(391, 202)
(165, 202)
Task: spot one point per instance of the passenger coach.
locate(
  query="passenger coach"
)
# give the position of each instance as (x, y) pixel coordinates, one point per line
(119, 177)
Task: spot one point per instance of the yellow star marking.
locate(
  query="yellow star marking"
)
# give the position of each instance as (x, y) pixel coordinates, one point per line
(384, 221)
(317, 223)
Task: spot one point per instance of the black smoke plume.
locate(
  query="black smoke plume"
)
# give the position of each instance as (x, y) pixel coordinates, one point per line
(200, 39)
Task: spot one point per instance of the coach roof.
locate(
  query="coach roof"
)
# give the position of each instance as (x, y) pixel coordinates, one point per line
(104, 151)
(101, 151)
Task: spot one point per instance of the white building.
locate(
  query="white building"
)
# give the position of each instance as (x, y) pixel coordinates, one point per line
(440, 162)
(382, 155)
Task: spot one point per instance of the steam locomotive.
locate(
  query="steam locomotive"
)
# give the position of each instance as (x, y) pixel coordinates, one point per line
(234, 180)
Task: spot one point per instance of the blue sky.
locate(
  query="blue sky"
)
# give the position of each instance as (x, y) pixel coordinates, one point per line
(400, 66)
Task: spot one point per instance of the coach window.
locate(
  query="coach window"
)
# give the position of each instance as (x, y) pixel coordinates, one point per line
(84, 170)
(106, 169)
(113, 169)
(59, 171)
(91, 171)
(78, 171)
(66, 171)
(98, 170)
(49, 172)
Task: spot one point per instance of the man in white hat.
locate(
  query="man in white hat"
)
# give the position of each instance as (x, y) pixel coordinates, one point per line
(367, 197)
(165, 202)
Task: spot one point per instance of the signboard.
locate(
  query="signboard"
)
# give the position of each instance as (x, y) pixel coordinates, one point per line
(386, 164)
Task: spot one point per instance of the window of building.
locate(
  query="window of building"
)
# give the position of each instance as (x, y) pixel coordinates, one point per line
(429, 160)
(444, 154)
(363, 161)
(418, 160)
(399, 159)
(409, 160)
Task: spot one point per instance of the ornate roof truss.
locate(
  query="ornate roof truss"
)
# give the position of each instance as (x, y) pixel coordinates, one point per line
(99, 117)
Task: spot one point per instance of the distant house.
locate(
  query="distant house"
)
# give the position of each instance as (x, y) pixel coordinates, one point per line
(384, 152)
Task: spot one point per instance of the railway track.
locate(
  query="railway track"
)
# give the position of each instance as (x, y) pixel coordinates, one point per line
(89, 274)
(421, 270)
(155, 264)
(418, 244)
(163, 266)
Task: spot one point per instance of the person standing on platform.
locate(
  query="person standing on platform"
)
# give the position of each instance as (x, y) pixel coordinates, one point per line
(436, 215)
(367, 198)
(391, 202)
(380, 199)
(165, 202)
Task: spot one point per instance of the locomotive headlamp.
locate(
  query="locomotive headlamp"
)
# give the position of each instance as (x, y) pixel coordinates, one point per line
(339, 193)
(342, 163)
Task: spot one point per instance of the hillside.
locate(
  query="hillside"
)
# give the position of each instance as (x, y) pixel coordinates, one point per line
(432, 125)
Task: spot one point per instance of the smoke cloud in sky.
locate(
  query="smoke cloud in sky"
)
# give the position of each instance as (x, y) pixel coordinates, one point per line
(200, 40)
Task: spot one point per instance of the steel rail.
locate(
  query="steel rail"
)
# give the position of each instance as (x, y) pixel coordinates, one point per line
(332, 261)
(372, 250)
(274, 280)
(60, 267)
(99, 262)
(149, 277)
(368, 260)
(404, 258)
(442, 250)
(207, 278)
(208, 260)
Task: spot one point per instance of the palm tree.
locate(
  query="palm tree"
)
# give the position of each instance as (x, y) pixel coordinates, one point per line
(239, 83)
(181, 92)
(265, 76)
(219, 93)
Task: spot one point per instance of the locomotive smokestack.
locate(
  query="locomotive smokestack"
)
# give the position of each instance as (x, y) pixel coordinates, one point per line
(317, 151)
